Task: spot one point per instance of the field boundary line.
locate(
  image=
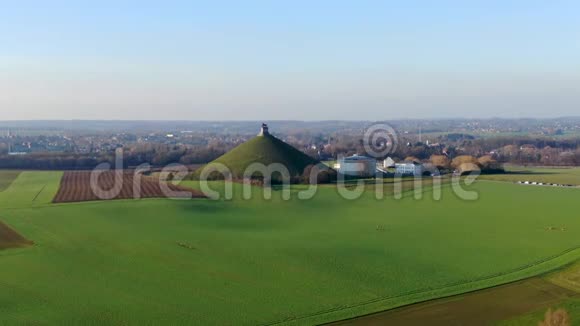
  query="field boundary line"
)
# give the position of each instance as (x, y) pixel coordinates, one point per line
(39, 192)
(425, 291)
(94, 202)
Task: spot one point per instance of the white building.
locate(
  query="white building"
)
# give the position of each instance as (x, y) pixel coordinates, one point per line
(357, 165)
(409, 168)
(388, 163)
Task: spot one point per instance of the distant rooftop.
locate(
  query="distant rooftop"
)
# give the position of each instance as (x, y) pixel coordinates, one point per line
(410, 162)
(357, 157)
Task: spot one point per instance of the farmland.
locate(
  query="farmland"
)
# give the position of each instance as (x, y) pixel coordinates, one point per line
(75, 186)
(11, 239)
(6, 178)
(567, 278)
(156, 261)
(481, 308)
(528, 299)
(538, 174)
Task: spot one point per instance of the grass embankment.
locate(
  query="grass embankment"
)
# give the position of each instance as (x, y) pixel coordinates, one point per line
(265, 149)
(254, 262)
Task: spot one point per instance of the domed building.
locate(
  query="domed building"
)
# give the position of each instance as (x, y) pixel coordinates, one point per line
(357, 165)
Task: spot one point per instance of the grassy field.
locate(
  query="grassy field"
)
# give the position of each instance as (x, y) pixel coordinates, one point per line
(6, 178)
(267, 262)
(534, 174)
(30, 189)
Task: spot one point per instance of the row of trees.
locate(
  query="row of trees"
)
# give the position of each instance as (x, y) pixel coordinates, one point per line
(527, 154)
(154, 154)
(52, 161)
(467, 163)
(516, 150)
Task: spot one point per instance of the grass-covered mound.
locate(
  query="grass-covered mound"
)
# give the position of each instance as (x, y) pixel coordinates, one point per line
(265, 149)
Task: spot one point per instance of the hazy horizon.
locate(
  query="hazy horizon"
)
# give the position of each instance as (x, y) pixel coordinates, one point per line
(302, 61)
(291, 120)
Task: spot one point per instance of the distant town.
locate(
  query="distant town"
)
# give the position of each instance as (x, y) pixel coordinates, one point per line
(83, 144)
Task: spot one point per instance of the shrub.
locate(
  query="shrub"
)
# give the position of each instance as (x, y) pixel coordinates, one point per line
(558, 317)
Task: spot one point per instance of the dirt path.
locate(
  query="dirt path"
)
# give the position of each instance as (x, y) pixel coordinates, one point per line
(11, 239)
(483, 307)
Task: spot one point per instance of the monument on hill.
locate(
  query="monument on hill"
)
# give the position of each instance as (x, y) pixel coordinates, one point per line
(267, 149)
(264, 130)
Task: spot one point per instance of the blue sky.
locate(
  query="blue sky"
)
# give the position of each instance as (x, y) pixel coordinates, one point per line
(301, 60)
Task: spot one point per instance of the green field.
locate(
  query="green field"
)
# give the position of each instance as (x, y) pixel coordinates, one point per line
(538, 174)
(161, 261)
(6, 178)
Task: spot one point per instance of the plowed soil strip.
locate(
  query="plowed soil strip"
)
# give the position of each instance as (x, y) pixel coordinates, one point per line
(75, 186)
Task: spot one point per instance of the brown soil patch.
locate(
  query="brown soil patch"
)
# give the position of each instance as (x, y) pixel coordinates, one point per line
(11, 239)
(484, 307)
(75, 186)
